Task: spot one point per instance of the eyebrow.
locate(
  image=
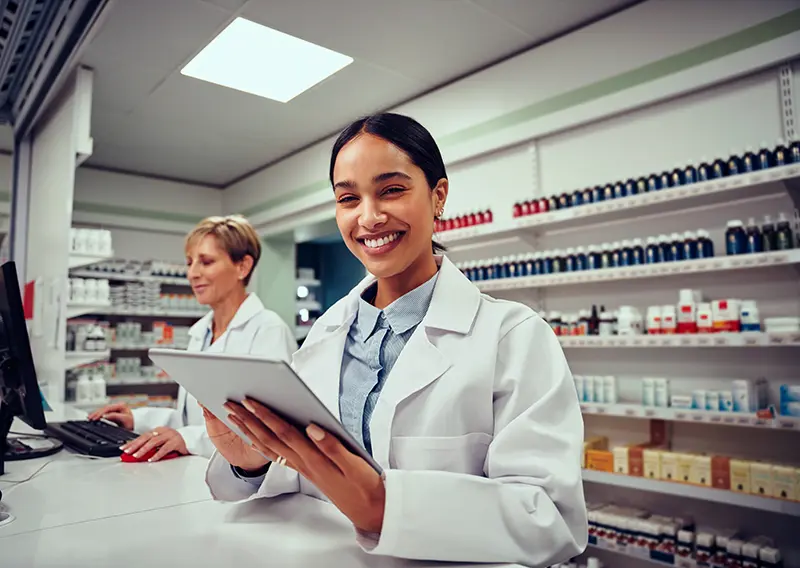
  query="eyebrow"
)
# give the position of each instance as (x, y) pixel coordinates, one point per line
(347, 184)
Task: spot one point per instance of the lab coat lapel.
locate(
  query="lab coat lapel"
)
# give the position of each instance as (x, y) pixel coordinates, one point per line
(419, 364)
(320, 367)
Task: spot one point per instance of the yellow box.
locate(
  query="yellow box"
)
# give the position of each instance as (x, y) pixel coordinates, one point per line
(740, 476)
(669, 466)
(701, 471)
(652, 464)
(594, 443)
(783, 486)
(761, 480)
(685, 463)
(621, 459)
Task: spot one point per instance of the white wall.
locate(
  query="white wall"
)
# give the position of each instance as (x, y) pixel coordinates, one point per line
(602, 59)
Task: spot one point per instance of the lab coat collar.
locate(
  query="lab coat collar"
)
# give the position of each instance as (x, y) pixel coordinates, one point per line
(453, 307)
(251, 307)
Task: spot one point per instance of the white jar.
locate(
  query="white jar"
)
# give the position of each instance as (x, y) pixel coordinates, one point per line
(78, 291)
(629, 321)
(653, 320)
(90, 290)
(84, 391)
(705, 318)
(98, 385)
(669, 323)
(103, 293)
(105, 243)
(748, 316)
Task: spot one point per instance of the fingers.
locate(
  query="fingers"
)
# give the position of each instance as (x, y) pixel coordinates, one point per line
(333, 449)
(115, 417)
(264, 442)
(174, 444)
(135, 445)
(151, 444)
(101, 412)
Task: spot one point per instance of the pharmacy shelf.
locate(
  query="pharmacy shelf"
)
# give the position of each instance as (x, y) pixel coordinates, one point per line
(76, 260)
(75, 310)
(747, 339)
(309, 282)
(670, 200)
(619, 549)
(149, 312)
(660, 270)
(138, 382)
(689, 415)
(77, 359)
(142, 347)
(89, 406)
(115, 276)
(693, 492)
(310, 305)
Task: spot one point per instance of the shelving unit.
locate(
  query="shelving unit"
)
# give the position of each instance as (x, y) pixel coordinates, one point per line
(745, 500)
(664, 201)
(691, 415)
(77, 260)
(665, 269)
(79, 358)
(705, 340)
(77, 310)
(310, 305)
(119, 277)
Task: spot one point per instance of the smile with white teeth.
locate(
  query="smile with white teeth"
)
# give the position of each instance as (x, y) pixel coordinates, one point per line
(375, 243)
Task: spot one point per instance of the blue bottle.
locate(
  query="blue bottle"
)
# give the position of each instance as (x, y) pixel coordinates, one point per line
(608, 192)
(718, 169)
(690, 251)
(593, 258)
(665, 244)
(489, 270)
(780, 155)
(597, 194)
(619, 190)
(577, 198)
(734, 164)
(511, 266)
(616, 249)
(538, 264)
(704, 170)
(570, 262)
(581, 260)
(630, 187)
(705, 246)
(605, 255)
(653, 183)
(558, 261)
(637, 252)
(689, 174)
(663, 180)
(529, 265)
(641, 185)
(652, 252)
(625, 253)
(764, 157)
(735, 238)
(547, 262)
(499, 271)
(794, 152)
(676, 247)
(749, 160)
(676, 176)
(587, 196)
(755, 240)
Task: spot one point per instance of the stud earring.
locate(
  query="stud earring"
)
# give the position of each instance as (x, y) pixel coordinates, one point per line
(439, 213)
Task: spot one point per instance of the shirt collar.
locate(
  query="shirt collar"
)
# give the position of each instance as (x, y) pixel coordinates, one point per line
(405, 313)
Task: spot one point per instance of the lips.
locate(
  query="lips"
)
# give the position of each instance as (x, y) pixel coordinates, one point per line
(379, 241)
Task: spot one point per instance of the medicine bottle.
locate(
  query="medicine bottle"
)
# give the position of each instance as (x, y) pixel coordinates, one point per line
(641, 185)
(564, 201)
(552, 203)
(689, 245)
(749, 161)
(652, 252)
(630, 187)
(529, 265)
(794, 152)
(676, 246)
(637, 252)
(538, 263)
(748, 316)
(570, 262)
(597, 194)
(689, 173)
(705, 321)
(734, 164)
(653, 183)
(619, 190)
(664, 179)
(544, 204)
(625, 253)
(735, 238)
(547, 262)
(559, 261)
(606, 324)
(784, 236)
(593, 261)
(705, 246)
(588, 196)
(616, 249)
(513, 267)
(555, 322)
(676, 176)
(577, 198)
(718, 168)
(665, 244)
(605, 255)
(768, 235)
(583, 322)
(764, 158)
(704, 170)
(580, 259)
(505, 267)
(608, 192)
(755, 241)
(780, 155)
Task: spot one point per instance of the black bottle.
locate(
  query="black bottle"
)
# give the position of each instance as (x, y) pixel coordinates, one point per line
(608, 192)
(663, 180)
(676, 176)
(587, 196)
(769, 238)
(594, 321)
(764, 157)
(652, 252)
(780, 155)
(593, 261)
(784, 234)
(689, 245)
(641, 185)
(558, 261)
(749, 160)
(734, 164)
(689, 174)
(597, 194)
(552, 203)
(605, 256)
(619, 190)
(581, 260)
(676, 246)
(637, 252)
(718, 168)
(616, 251)
(704, 170)
(705, 246)
(755, 242)
(794, 152)
(564, 201)
(653, 183)
(577, 198)
(630, 187)
(666, 248)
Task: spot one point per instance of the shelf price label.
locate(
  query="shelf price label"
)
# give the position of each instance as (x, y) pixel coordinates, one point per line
(630, 412)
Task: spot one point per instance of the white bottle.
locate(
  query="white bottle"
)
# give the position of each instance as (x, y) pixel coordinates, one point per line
(103, 293)
(105, 243)
(84, 389)
(78, 291)
(98, 385)
(90, 290)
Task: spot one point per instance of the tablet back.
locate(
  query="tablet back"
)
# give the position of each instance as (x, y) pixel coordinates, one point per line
(215, 378)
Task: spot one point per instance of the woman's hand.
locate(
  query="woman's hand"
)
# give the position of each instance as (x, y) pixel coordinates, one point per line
(231, 446)
(119, 413)
(165, 439)
(349, 482)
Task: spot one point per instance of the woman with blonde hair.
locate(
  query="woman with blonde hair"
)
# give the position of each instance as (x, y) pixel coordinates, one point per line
(221, 254)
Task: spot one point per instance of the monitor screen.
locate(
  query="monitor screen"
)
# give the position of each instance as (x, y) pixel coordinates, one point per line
(19, 387)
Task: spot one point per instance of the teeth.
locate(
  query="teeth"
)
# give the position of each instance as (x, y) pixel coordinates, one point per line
(375, 243)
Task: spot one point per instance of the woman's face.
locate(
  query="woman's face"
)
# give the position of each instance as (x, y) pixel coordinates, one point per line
(384, 205)
(212, 273)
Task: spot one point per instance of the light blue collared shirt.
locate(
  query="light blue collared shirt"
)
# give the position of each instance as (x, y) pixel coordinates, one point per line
(374, 343)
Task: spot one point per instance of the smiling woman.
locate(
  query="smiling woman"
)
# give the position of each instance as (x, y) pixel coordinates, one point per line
(466, 402)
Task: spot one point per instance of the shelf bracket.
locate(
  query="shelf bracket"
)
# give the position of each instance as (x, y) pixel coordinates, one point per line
(788, 114)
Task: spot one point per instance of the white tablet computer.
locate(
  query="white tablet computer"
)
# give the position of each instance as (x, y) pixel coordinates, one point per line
(215, 378)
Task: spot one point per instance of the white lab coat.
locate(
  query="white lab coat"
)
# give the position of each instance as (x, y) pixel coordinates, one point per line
(254, 330)
(478, 427)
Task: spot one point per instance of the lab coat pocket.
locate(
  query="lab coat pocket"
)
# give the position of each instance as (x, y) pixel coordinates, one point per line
(458, 454)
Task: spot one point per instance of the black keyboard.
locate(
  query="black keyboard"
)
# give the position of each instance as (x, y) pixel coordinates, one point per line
(91, 438)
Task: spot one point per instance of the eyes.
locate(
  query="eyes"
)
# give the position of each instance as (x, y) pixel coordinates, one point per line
(388, 192)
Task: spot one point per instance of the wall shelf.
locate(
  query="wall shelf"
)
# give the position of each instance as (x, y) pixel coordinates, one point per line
(79, 358)
(117, 277)
(663, 269)
(77, 310)
(747, 339)
(670, 200)
(118, 311)
(693, 492)
(690, 415)
(77, 260)
(309, 282)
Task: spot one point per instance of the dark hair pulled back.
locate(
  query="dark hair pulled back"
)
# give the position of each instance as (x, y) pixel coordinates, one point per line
(405, 133)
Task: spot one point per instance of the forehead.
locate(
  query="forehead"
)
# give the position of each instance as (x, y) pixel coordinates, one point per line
(367, 155)
(203, 244)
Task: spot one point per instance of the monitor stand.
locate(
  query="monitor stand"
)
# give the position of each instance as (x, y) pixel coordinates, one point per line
(16, 449)
(6, 419)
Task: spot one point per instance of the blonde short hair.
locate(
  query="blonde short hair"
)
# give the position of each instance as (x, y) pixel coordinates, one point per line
(234, 234)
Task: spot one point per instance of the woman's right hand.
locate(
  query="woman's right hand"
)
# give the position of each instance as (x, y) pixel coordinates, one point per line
(118, 413)
(230, 446)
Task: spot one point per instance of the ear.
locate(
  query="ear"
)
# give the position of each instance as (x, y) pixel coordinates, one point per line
(245, 266)
(439, 194)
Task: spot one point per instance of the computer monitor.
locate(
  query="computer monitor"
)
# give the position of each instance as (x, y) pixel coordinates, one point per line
(19, 389)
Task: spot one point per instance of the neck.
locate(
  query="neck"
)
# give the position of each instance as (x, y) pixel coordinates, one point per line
(226, 309)
(393, 287)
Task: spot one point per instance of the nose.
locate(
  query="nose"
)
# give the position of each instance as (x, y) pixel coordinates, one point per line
(193, 271)
(371, 216)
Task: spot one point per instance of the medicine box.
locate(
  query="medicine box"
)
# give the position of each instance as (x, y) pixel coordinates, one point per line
(721, 472)
(761, 480)
(588, 389)
(726, 401)
(783, 483)
(648, 392)
(681, 401)
(661, 392)
(600, 460)
(599, 389)
(593, 443)
(699, 399)
(636, 461)
(621, 460)
(669, 466)
(740, 476)
(789, 393)
(685, 464)
(701, 471)
(712, 401)
(652, 464)
(579, 381)
(610, 389)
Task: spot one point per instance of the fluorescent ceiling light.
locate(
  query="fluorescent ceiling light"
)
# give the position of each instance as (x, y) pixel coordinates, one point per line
(256, 59)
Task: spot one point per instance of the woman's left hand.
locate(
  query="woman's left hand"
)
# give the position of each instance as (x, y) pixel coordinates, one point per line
(348, 481)
(165, 439)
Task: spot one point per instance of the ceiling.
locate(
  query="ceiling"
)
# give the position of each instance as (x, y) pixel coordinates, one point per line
(149, 119)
